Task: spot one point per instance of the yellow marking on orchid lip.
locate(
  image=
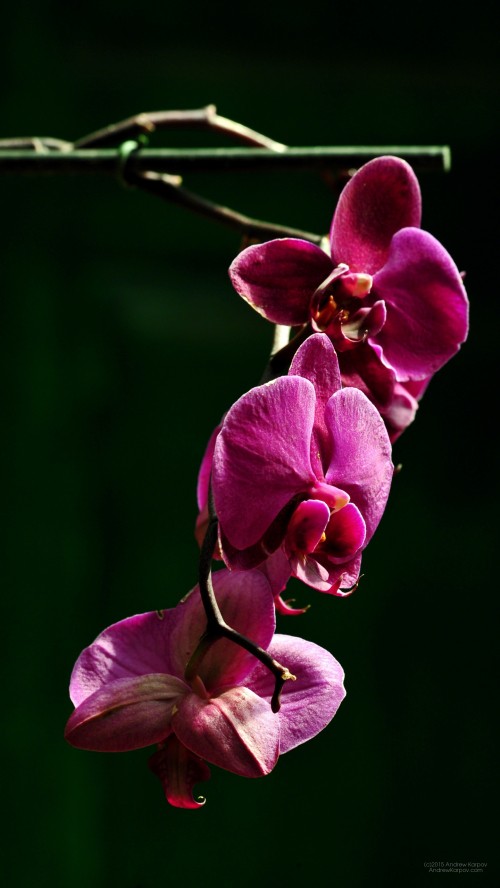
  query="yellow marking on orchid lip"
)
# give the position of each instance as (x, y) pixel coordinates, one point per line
(322, 538)
(175, 709)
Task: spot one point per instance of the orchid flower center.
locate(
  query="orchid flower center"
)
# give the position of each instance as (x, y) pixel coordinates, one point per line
(307, 530)
(339, 296)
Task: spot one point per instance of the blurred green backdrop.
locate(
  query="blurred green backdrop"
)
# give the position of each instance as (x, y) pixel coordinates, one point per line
(123, 343)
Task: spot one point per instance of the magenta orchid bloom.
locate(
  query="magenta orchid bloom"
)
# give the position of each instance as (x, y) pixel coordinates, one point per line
(301, 474)
(129, 690)
(389, 295)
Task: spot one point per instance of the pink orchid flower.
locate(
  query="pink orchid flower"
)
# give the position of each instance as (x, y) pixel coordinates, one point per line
(130, 691)
(388, 294)
(301, 473)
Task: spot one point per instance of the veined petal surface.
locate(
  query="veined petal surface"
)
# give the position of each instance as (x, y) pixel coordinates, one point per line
(179, 770)
(236, 730)
(361, 454)
(382, 197)
(345, 534)
(309, 703)
(307, 526)
(427, 306)
(136, 646)
(279, 277)
(316, 360)
(126, 714)
(262, 457)
(205, 470)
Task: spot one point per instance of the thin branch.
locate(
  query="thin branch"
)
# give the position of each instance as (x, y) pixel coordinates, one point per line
(142, 167)
(202, 118)
(168, 189)
(40, 144)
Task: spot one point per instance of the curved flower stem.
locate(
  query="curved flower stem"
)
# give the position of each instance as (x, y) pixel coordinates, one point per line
(216, 625)
(165, 187)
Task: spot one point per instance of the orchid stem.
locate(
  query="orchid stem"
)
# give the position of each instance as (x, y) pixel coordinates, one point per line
(217, 627)
(157, 171)
(167, 188)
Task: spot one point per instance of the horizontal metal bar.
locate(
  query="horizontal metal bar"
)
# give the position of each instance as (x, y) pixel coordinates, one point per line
(183, 160)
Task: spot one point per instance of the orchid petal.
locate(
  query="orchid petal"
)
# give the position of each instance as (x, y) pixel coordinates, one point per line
(316, 360)
(307, 526)
(348, 579)
(236, 730)
(262, 457)
(416, 387)
(363, 369)
(276, 569)
(125, 714)
(365, 322)
(400, 413)
(241, 559)
(246, 603)
(382, 197)
(205, 470)
(345, 533)
(309, 703)
(285, 608)
(331, 563)
(361, 454)
(179, 770)
(279, 277)
(310, 571)
(339, 578)
(136, 646)
(427, 306)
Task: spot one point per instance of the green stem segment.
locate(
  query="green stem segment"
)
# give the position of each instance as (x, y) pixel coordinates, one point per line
(38, 155)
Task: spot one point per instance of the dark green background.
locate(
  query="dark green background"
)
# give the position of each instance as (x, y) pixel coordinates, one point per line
(123, 343)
